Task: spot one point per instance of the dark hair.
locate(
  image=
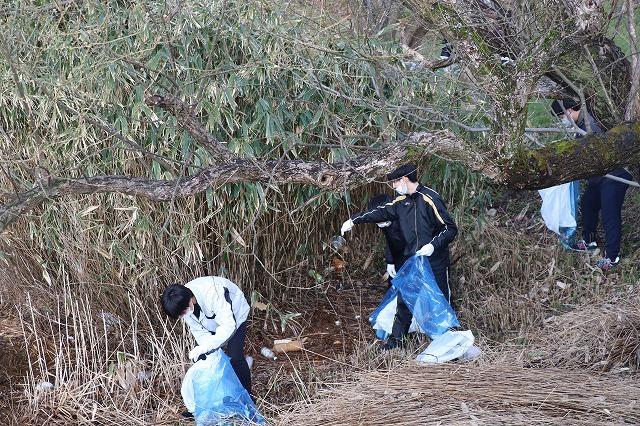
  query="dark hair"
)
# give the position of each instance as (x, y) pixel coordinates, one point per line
(409, 170)
(176, 299)
(567, 103)
(378, 200)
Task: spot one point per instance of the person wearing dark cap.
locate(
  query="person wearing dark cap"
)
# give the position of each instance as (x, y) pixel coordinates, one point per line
(601, 196)
(427, 230)
(394, 247)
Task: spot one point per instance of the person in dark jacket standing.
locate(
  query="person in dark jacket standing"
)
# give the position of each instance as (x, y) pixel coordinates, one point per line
(426, 228)
(601, 196)
(394, 242)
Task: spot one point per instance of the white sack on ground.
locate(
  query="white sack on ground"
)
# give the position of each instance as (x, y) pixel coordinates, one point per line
(447, 347)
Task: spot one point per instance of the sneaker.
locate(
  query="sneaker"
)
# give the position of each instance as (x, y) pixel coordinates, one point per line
(392, 343)
(445, 53)
(607, 264)
(582, 245)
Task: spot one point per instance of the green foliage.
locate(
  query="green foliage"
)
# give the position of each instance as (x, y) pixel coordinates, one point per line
(262, 78)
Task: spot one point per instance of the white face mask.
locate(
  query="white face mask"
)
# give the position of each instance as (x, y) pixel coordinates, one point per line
(383, 224)
(402, 189)
(566, 122)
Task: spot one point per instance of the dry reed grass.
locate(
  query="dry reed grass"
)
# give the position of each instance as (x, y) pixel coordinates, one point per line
(514, 275)
(103, 369)
(473, 394)
(599, 337)
(10, 329)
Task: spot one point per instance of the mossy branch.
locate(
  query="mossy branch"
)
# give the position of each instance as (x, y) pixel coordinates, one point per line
(569, 160)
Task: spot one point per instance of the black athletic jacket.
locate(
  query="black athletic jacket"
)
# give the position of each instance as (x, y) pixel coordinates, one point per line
(422, 218)
(394, 247)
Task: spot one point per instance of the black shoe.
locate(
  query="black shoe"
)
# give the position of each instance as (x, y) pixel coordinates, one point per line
(187, 415)
(392, 343)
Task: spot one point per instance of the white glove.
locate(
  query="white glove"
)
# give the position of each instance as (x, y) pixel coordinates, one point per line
(391, 270)
(426, 250)
(346, 226)
(195, 353)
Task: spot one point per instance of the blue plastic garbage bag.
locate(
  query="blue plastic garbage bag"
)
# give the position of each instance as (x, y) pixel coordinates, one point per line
(421, 294)
(213, 393)
(383, 317)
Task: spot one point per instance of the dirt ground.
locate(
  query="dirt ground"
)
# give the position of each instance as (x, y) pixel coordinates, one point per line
(331, 326)
(13, 364)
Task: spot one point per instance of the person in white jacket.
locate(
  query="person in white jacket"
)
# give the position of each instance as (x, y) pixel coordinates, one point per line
(216, 311)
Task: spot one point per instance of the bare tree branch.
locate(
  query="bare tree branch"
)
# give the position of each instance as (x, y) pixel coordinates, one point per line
(528, 169)
(335, 176)
(186, 119)
(632, 109)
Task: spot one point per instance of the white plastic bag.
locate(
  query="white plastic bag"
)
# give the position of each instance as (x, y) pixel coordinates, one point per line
(559, 206)
(383, 323)
(447, 347)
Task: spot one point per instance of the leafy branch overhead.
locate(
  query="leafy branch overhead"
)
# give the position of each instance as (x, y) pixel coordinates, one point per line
(168, 103)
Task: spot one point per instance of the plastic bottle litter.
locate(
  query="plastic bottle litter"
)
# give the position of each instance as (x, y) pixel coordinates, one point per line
(268, 353)
(338, 242)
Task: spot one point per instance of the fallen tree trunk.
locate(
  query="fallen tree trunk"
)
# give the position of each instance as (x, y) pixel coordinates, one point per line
(568, 160)
(557, 163)
(330, 176)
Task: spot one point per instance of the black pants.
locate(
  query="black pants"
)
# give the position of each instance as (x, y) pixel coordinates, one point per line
(402, 321)
(604, 196)
(235, 349)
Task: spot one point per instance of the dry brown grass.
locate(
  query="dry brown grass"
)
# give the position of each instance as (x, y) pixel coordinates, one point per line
(599, 337)
(104, 369)
(473, 394)
(505, 285)
(514, 276)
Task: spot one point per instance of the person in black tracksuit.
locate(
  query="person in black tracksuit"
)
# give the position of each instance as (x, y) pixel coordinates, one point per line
(601, 196)
(394, 242)
(427, 230)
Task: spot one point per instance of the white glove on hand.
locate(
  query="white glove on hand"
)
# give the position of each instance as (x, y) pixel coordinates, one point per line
(195, 353)
(391, 270)
(346, 227)
(426, 250)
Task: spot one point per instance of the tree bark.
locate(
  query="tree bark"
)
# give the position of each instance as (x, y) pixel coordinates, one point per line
(330, 176)
(569, 160)
(528, 169)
